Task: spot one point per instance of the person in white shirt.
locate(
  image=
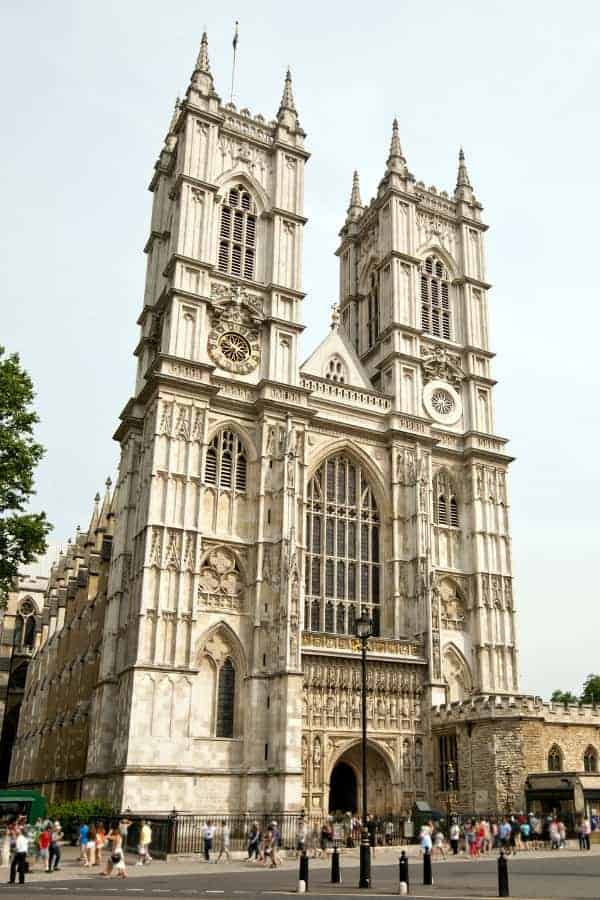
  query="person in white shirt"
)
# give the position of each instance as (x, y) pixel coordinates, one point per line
(224, 841)
(19, 860)
(208, 833)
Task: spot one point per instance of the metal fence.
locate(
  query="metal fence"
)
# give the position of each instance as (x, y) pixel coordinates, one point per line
(182, 833)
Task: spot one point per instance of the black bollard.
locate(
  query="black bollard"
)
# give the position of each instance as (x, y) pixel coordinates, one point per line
(303, 874)
(503, 890)
(336, 878)
(427, 873)
(403, 870)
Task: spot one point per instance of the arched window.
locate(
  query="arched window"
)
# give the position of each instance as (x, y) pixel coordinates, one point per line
(435, 299)
(29, 635)
(237, 234)
(590, 760)
(373, 321)
(445, 504)
(554, 759)
(343, 559)
(335, 370)
(18, 633)
(226, 464)
(226, 700)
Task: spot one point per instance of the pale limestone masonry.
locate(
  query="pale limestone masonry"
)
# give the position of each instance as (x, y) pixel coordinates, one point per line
(261, 504)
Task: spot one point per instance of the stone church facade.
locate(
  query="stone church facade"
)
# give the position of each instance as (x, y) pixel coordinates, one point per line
(262, 503)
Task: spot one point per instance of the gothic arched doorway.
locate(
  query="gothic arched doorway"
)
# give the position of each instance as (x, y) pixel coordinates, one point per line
(343, 795)
(347, 774)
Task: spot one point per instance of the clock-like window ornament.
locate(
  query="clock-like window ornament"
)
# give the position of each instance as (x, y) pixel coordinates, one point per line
(234, 346)
(442, 402)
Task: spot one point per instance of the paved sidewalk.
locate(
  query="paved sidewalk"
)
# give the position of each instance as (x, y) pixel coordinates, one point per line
(71, 868)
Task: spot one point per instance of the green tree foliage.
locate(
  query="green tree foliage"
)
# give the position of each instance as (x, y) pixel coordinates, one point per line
(71, 813)
(565, 697)
(591, 689)
(22, 534)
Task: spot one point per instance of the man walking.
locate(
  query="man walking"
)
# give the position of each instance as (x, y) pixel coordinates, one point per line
(144, 845)
(19, 860)
(54, 854)
(208, 833)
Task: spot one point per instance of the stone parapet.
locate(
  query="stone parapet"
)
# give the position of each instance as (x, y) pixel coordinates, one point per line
(529, 706)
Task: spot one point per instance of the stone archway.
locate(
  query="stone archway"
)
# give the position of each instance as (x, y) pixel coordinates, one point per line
(345, 781)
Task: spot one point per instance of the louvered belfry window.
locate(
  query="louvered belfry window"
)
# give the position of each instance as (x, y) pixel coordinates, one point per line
(237, 234)
(226, 465)
(436, 313)
(343, 541)
(226, 700)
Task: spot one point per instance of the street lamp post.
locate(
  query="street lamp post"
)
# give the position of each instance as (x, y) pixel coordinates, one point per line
(450, 793)
(364, 630)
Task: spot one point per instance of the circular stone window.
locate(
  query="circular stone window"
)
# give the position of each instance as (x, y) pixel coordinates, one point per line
(442, 402)
(234, 347)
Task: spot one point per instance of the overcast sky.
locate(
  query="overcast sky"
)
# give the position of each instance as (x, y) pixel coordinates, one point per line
(88, 88)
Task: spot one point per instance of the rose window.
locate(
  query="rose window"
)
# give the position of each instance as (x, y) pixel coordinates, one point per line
(234, 347)
(442, 402)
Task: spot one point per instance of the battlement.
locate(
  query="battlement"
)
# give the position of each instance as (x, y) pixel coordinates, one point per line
(512, 706)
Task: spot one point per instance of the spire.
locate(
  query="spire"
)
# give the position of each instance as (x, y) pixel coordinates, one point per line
(202, 63)
(202, 80)
(287, 114)
(355, 208)
(463, 190)
(396, 161)
(463, 175)
(287, 100)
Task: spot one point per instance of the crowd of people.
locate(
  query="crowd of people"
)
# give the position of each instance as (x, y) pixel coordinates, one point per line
(511, 834)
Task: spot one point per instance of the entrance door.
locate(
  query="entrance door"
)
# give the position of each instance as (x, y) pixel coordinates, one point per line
(342, 789)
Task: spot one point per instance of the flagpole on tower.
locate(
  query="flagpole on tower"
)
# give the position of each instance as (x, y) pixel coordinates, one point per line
(235, 42)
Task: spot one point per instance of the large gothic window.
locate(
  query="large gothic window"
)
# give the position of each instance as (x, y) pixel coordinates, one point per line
(225, 700)
(436, 314)
(237, 234)
(343, 568)
(445, 504)
(226, 464)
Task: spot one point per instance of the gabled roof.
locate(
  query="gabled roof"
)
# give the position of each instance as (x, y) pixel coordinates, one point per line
(337, 344)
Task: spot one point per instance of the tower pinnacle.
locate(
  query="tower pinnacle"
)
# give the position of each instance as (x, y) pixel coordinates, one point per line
(202, 63)
(464, 189)
(287, 114)
(355, 208)
(396, 161)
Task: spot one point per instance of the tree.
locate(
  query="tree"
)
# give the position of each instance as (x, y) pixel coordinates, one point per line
(565, 697)
(591, 689)
(22, 534)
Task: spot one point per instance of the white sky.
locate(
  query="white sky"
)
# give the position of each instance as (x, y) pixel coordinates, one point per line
(88, 89)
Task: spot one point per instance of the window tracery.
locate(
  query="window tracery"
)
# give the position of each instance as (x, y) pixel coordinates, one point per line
(373, 311)
(225, 700)
(335, 370)
(436, 312)
(555, 759)
(226, 464)
(445, 502)
(221, 584)
(343, 570)
(237, 234)
(590, 760)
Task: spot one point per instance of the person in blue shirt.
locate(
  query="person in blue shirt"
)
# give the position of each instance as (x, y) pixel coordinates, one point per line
(83, 839)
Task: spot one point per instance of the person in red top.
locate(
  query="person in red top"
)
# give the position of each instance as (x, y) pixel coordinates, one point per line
(44, 845)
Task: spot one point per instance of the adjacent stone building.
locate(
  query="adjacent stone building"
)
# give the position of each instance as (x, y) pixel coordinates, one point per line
(208, 661)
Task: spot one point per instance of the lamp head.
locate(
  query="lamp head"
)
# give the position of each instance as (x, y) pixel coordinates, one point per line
(364, 627)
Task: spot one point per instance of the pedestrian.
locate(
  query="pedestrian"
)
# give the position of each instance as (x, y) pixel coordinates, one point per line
(56, 837)
(454, 837)
(562, 836)
(144, 844)
(438, 842)
(224, 840)
(586, 829)
(208, 833)
(525, 834)
(124, 824)
(301, 834)
(44, 847)
(389, 832)
(253, 841)
(82, 840)
(100, 842)
(90, 847)
(554, 835)
(116, 858)
(19, 860)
